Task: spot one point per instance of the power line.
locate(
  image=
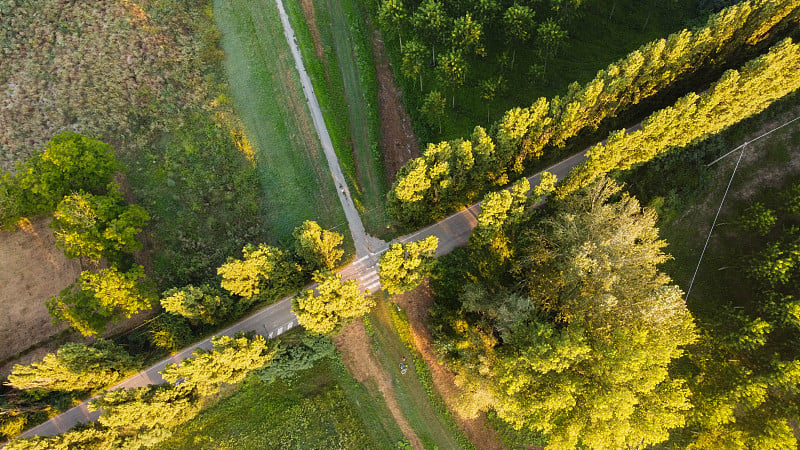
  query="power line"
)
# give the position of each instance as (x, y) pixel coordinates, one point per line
(713, 224)
(753, 140)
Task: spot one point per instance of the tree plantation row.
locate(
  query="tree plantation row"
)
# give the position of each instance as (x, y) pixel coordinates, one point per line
(452, 174)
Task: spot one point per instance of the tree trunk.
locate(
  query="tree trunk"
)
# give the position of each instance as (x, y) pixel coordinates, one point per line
(613, 7)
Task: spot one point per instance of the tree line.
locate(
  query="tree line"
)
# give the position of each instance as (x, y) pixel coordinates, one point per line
(452, 174)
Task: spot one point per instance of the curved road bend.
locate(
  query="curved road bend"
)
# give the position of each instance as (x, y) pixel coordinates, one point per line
(271, 321)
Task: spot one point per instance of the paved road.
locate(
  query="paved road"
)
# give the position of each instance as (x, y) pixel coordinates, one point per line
(453, 231)
(364, 245)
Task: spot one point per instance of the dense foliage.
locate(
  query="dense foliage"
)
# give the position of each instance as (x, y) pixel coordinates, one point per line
(264, 273)
(69, 163)
(204, 304)
(404, 266)
(736, 96)
(98, 226)
(334, 302)
(318, 249)
(575, 338)
(452, 174)
(100, 297)
(75, 367)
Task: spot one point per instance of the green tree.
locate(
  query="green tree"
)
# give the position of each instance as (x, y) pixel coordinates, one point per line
(97, 298)
(519, 26)
(170, 332)
(577, 344)
(466, 36)
(413, 62)
(69, 162)
(263, 274)
(132, 411)
(432, 18)
(550, 37)
(392, 17)
(452, 69)
(231, 359)
(433, 109)
(404, 266)
(317, 248)
(334, 303)
(96, 226)
(198, 304)
(758, 219)
(75, 367)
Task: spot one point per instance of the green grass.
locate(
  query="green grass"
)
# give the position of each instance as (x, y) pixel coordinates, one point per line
(266, 93)
(594, 42)
(687, 195)
(345, 82)
(320, 408)
(419, 402)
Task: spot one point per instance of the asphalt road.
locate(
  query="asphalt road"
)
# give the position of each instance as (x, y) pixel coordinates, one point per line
(272, 321)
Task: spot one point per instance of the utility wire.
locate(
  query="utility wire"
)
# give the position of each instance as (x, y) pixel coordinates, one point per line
(743, 146)
(753, 140)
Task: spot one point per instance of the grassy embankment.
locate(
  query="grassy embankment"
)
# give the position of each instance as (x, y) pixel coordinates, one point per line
(419, 402)
(336, 50)
(596, 38)
(322, 407)
(266, 92)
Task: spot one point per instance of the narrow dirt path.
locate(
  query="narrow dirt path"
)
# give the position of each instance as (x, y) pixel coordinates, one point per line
(417, 303)
(398, 141)
(353, 344)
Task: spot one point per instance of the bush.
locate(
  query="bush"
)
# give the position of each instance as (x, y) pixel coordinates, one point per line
(170, 332)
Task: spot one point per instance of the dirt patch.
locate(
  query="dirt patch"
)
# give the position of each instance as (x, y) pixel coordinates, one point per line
(398, 141)
(353, 344)
(316, 37)
(33, 271)
(417, 304)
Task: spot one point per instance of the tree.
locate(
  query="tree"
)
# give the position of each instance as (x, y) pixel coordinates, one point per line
(413, 62)
(198, 304)
(433, 108)
(69, 162)
(318, 248)
(231, 359)
(577, 344)
(334, 303)
(75, 367)
(132, 411)
(264, 273)
(89, 304)
(518, 21)
(466, 35)
(550, 36)
(431, 17)
(452, 70)
(96, 226)
(490, 88)
(392, 17)
(404, 266)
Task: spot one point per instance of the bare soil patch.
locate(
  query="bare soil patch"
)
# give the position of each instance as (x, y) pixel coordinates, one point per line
(357, 355)
(417, 305)
(33, 271)
(398, 141)
(311, 20)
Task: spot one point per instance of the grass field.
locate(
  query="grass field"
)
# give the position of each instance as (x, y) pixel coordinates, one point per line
(320, 408)
(419, 402)
(266, 93)
(336, 51)
(596, 39)
(688, 196)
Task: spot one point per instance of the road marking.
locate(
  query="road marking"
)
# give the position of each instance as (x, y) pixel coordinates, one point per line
(280, 330)
(289, 326)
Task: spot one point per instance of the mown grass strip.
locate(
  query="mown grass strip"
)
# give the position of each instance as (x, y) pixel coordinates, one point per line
(266, 93)
(341, 67)
(420, 403)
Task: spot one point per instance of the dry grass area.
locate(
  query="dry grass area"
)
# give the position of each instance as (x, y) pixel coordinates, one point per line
(94, 67)
(33, 271)
(417, 304)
